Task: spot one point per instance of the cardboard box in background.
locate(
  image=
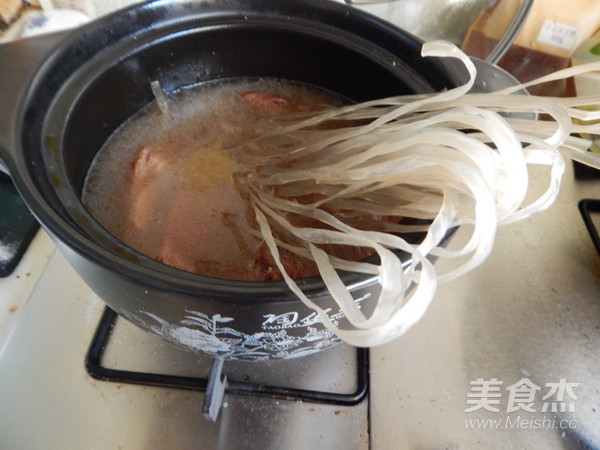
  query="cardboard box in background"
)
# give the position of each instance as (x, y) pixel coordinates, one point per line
(553, 31)
(9, 9)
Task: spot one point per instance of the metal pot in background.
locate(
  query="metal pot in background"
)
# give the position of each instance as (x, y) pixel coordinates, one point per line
(428, 19)
(66, 93)
(449, 20)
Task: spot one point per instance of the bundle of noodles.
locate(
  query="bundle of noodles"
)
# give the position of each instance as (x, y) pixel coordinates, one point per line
(450, 159)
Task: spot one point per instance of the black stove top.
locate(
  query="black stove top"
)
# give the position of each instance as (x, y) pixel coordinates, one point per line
(17, 227)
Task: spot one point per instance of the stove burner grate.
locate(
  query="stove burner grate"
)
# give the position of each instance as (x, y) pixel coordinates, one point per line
(588, 208)
(100, 341)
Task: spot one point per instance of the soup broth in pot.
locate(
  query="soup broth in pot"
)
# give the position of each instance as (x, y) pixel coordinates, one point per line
(164, 181)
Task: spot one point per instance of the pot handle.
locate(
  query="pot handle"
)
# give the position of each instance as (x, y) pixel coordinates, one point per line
(19, 60)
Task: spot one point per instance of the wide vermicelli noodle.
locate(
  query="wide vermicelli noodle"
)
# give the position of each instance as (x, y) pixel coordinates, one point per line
(446, 160)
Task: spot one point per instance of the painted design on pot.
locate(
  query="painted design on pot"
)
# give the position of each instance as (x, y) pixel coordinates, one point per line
(200, 332)
(280, 336)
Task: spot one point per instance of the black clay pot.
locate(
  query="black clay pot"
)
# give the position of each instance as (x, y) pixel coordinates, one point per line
(66, 93)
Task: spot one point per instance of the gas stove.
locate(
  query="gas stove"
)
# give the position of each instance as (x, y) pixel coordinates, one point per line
(44, 379)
